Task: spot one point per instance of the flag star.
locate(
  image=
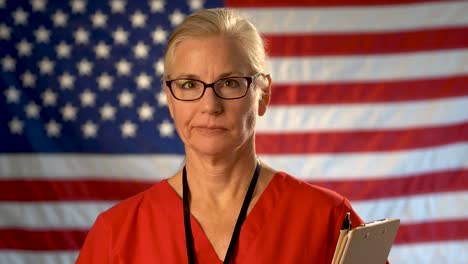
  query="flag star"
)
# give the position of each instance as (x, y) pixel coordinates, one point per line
(99, 19)
(20, 17)
(89, 129)
(166, 129)
(2, 3)
(105, 81)
(176, 17)
(5, 32)
(159, 67)
(49, 98)
(24, 48)
(159, 35)
(161, 97)
(53, 128)
(59, 18)
(125, 98)
(117, 6)
(145, 112)
(69, 112)
(12, 95)
(102, 50)
(38, 5)
(63, 50)
(85, 67)
(143, 81)
(120, 36)
(46, 66)
(78, 6)
(128, 129)
(141, 50)
(138, 19)
(32, 110)
(81, 36)
(87, 98)
(107, 112)
(28, 79)
(8, 63)
(16, 126)
(123, 67)
(42, 35)
(66, 81)
(196, 4)
(157, 6)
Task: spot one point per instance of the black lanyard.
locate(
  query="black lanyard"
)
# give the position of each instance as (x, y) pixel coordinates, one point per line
(240, 218)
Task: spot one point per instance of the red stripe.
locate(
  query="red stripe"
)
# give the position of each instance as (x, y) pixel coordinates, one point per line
(318, 3)
(433, 231)
(366, 43)
(360, 141)
(434, 182)
(369, 92)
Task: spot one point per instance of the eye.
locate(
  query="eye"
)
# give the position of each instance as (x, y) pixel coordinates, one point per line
(186, 84)
(232, 83)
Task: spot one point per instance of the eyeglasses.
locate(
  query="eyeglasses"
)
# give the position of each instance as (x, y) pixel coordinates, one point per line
(185, 89)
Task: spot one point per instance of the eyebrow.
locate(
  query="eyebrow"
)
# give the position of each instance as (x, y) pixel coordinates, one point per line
(194, 76)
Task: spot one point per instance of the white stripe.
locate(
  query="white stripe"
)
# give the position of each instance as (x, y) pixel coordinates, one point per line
(81, 215)
(37, 257)
(308, 167)
(319, 69)
(358, 19)
(454, 252)
(316, 118)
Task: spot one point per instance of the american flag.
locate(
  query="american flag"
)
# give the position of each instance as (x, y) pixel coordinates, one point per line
(370, 99)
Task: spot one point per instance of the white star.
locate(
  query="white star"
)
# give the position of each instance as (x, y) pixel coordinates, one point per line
(141, 50)
(123, 67)
(69, 112)
(89, 129)
(16, 126)
(105, 81)
(38, 5)
(46, 66)
(176, 17)
(157, 6)
(63, 50)
(85, 67)
(87, 98)
(161, 97)
(159, 35)
(42, 35)
(12, 95)
(143, 81)
(117, 6)
(159, 67)
(32, 110)
(128, 129)
(28, 79)
(78, 6)
(5, 32)
(20, 17)
(81, 36)
(99, 19)
(8, 63)
(120, 36)
(138, 19)
(196, 4)
(166, 129)
(49, 98)
(145, 112)
(2, 3)
(66, 81)
(24, 48)
(53, 128)
(59, 18)
(102, 50)
(125, 98)
(107, 112)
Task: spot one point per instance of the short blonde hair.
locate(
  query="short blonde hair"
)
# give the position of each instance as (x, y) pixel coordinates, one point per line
(219, 22)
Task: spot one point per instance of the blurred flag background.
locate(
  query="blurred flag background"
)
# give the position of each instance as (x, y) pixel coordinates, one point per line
(370, 99)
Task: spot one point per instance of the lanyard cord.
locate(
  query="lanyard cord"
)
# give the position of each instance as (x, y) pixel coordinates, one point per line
(240, 218)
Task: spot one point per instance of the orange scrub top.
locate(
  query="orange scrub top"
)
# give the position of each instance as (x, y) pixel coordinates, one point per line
(292, 222)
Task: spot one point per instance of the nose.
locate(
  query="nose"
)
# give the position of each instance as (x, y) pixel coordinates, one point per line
(211, 103)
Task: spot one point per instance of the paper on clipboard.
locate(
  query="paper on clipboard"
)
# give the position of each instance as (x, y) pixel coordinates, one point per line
(368, 243)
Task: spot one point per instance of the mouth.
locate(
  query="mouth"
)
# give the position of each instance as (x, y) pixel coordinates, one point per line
(209, 129)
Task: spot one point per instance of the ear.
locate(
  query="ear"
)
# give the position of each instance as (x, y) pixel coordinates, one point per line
(265, 96)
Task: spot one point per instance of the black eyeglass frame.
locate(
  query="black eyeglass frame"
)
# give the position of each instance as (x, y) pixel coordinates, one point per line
(249, 79)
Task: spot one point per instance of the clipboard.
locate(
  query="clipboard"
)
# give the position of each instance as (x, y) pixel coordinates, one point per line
(368, 243)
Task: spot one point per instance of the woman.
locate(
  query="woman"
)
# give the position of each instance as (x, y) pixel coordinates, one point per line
(216, 88)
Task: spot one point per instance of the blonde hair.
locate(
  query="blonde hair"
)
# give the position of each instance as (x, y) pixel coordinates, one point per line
(219, 22)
